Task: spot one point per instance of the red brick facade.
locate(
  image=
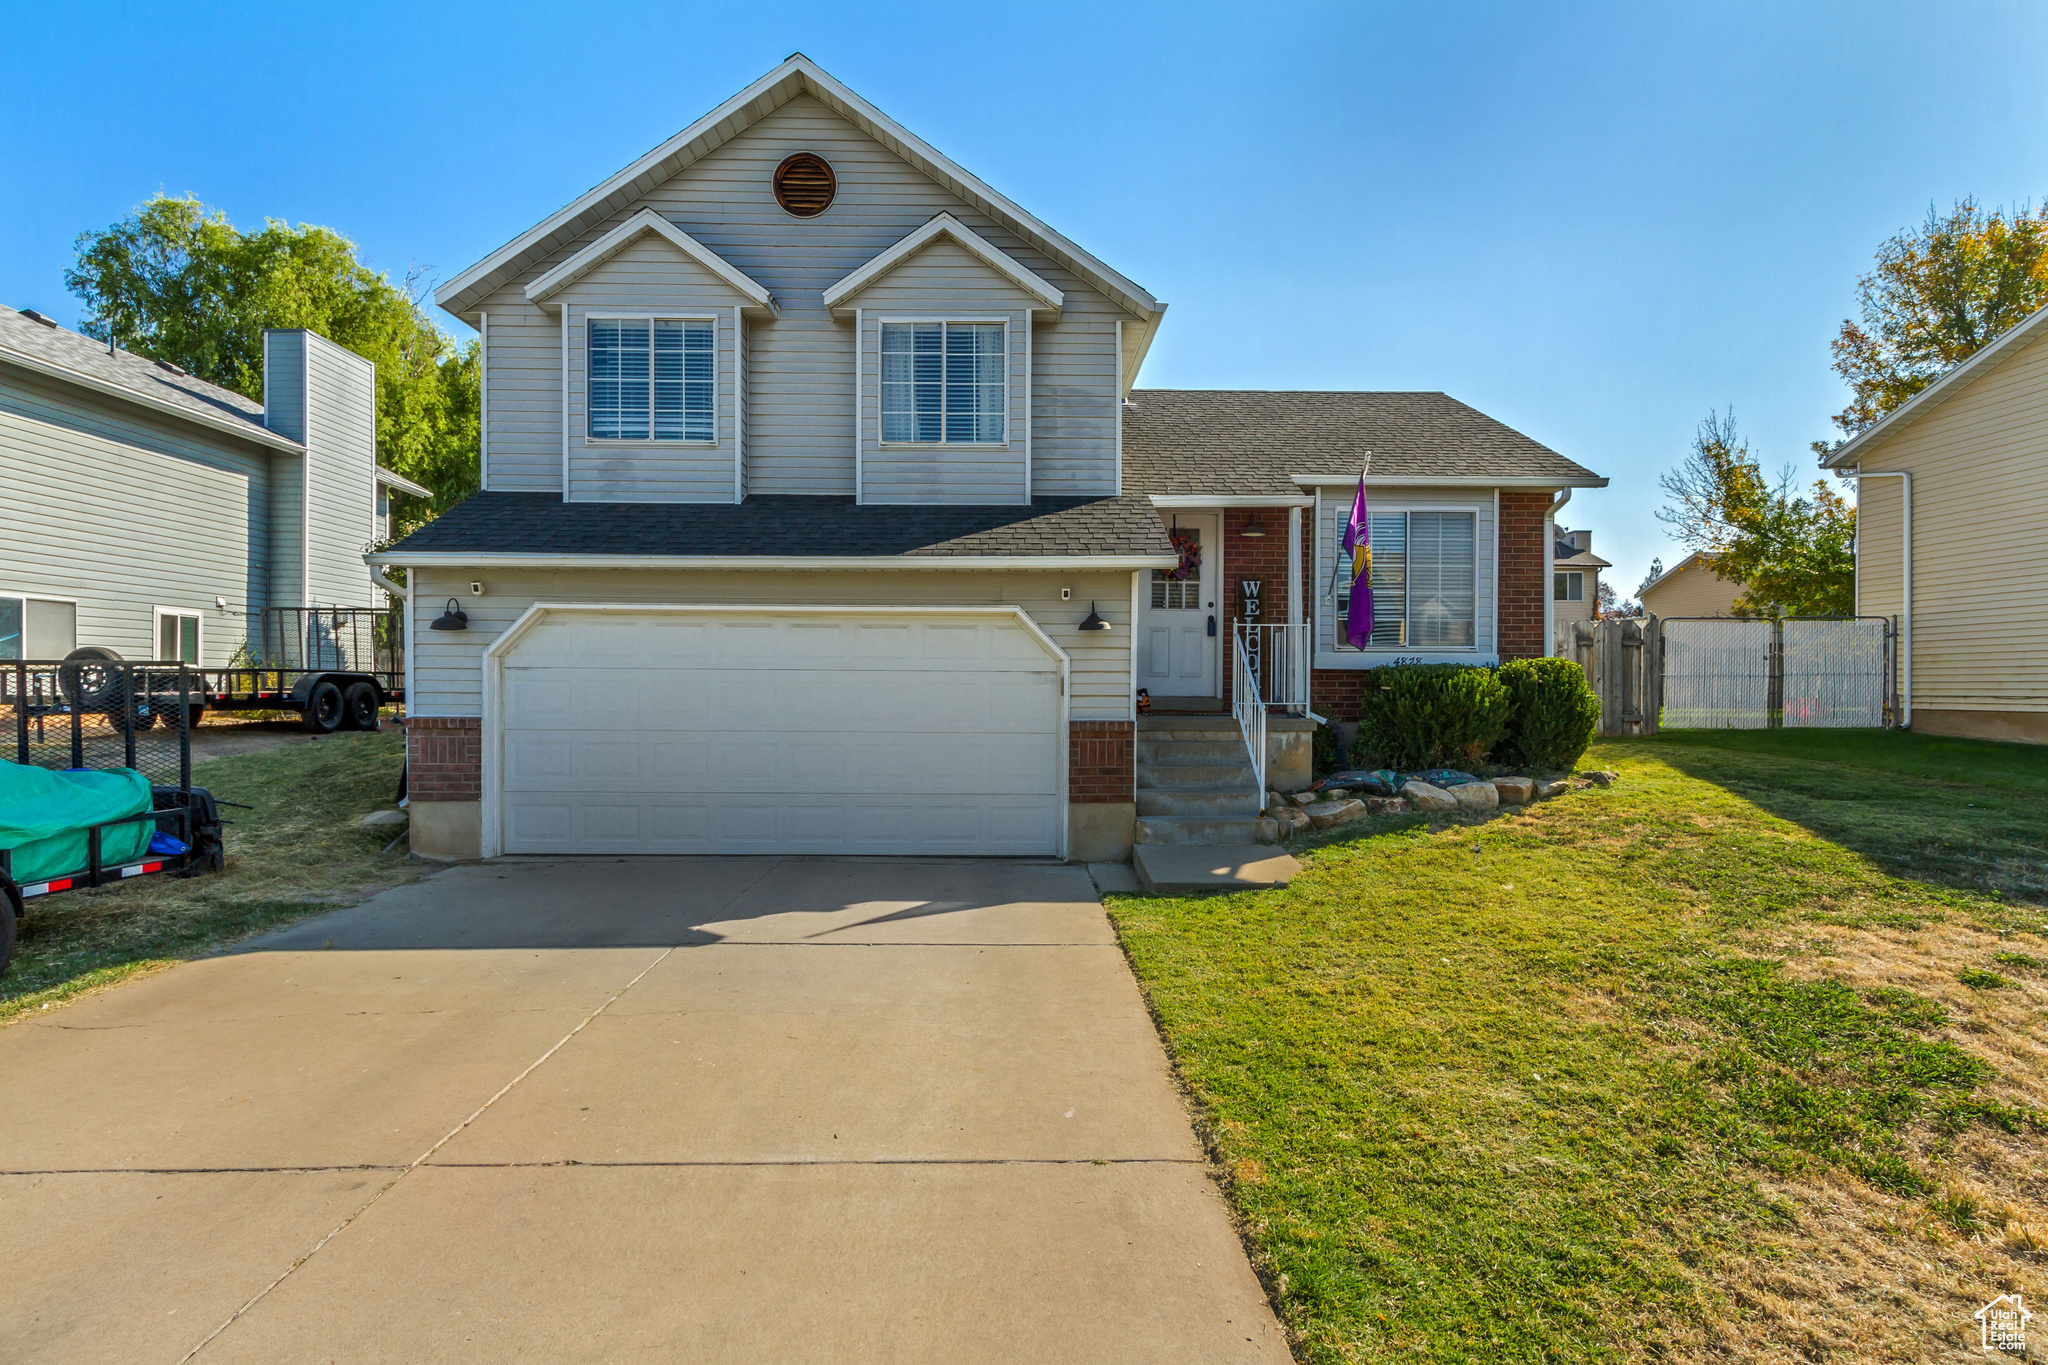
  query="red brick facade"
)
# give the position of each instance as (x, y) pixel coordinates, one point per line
(444, 758)
(1258, 557)
(1522, 589)
(1101, 761)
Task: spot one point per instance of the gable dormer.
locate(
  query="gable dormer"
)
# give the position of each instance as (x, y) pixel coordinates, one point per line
(943, 322)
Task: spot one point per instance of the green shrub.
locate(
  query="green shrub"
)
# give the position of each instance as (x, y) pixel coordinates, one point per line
(1427, 715)
(1555, 713)
(1328, 757)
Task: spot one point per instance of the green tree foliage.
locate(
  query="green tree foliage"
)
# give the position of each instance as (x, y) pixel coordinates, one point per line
(1790, 552)
(1937, 295)
(175, 281)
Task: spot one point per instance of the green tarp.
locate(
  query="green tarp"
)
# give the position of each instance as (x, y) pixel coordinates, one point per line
(44, 814)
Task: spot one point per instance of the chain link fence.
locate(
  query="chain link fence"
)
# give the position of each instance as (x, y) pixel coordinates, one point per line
(1722, 673)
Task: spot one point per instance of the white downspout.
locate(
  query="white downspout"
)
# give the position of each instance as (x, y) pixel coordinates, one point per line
(384, 582)
(1906, 583)
(1564, 496)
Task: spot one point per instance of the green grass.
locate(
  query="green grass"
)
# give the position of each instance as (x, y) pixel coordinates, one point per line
(1518, 1090)
(298, 852)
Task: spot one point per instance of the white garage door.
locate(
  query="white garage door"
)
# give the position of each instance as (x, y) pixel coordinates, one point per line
(776, 732)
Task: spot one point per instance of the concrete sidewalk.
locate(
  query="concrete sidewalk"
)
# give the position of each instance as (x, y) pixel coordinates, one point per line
(688, 1109)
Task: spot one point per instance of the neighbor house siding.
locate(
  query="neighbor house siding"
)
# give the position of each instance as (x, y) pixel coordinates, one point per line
(1979, 461)
(341, 475)
(650, 278)
(800, 400)
(124, 512)
(447, 675)
(1690, 590)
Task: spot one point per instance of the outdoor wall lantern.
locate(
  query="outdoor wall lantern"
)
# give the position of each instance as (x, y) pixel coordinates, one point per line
(1252, 527)
(452, 619)
(1093, 620)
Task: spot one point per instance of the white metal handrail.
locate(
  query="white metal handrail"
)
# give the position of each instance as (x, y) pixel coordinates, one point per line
(1249, 707)
(1278, 657)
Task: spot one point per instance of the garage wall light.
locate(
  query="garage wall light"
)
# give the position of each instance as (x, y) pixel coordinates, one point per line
(452, 619)
(1093, 620)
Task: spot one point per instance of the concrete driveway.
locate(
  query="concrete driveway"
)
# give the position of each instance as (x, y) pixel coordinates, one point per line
(678, 1109)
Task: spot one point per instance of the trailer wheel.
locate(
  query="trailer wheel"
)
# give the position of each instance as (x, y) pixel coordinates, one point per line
(359, 707)
(323, 708)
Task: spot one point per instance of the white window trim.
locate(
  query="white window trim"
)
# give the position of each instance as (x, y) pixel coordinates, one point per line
(1009, 440)
(1579, 574)
(156, 630)
(1375, 656)
(717, 378)
(27, 597)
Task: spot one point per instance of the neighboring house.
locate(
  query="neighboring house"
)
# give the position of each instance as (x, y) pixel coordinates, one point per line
(1952, 540)
(1574, 583)
(154, 514)
(819, 515)
(1690, 588)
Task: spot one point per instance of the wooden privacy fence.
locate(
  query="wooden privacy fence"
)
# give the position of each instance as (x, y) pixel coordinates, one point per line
(1624, 663)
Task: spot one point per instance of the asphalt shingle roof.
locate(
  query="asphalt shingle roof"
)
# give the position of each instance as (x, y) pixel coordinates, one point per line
(1248, 442)
(60, 346)
(788, 525)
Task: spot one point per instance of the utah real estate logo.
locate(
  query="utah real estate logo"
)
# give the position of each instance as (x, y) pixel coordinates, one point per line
(2003, 1323)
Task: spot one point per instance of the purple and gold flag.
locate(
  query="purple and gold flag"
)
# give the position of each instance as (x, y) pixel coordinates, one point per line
(1358, 544)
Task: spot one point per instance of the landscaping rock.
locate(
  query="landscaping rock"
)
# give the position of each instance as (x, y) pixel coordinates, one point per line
(1386, 805)
(1291, 819)
(383, 819)
(1514, 791)
(1476, 798)
(1552, 787)
(1601, 777)
(1422, 796)
(1306, 798)
(1325, 814)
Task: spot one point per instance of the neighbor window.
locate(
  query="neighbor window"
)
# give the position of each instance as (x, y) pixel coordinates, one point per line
(1424, 595)
(12, 609)
(177, 636)
(1568, 587)
(652, 379)
(37, 627)
(943, 381)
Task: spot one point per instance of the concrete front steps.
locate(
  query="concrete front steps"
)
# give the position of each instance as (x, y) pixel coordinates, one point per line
(1195, 785)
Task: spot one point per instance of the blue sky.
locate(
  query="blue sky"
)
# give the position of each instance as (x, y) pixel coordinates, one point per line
(1593, 221)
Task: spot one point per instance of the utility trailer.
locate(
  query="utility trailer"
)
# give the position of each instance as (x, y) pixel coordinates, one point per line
(334, 667)
(141, 720)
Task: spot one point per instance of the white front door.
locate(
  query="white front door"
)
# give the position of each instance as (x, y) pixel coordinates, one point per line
(1178, 628)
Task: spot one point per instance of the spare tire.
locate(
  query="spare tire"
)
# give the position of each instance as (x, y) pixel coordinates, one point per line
(84, 680)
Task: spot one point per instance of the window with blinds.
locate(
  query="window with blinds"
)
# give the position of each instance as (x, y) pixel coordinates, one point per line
(1424, 593)
(943, 382)
(653, 379)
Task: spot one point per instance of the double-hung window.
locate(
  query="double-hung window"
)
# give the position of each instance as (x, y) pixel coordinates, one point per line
(653, 379)
(1568, 587)
(943, 382)
(1424, 593)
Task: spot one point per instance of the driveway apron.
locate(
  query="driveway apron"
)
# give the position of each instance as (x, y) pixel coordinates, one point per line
(648, 1109)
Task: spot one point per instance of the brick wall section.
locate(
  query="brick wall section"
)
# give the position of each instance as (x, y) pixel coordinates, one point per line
(1102, 761)
(1522, 585)
(1261, 557)
(444, 758)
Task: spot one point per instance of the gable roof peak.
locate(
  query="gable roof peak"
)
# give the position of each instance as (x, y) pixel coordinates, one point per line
(944, 224)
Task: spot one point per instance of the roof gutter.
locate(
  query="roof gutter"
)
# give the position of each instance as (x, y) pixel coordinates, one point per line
(1173, 501)
(248, 430)
(1049, 563)
(401, 483)
(1385, 480)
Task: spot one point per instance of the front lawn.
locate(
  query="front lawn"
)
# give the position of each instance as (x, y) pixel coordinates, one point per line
(297, 852)
(1739, 1058)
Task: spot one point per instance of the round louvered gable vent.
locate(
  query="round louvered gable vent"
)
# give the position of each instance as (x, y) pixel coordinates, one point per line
(804, 185)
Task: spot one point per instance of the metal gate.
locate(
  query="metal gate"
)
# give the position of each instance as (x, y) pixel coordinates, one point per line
(1722, 673)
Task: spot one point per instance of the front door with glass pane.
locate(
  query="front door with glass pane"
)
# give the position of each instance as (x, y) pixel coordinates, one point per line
(1178, 632)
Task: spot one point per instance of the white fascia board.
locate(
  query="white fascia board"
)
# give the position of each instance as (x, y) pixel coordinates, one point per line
(401, 483)
(1149, 332)
(976, 245)
(798, 75)
(1440, 481)
(247, 430)
(1190, 502)
(1002, 563)
(647, 220)
(1857, 446)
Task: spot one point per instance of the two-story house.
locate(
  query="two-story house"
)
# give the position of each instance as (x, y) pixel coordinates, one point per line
(819, 515)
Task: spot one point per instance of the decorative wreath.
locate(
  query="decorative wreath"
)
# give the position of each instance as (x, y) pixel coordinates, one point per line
(1190, 548)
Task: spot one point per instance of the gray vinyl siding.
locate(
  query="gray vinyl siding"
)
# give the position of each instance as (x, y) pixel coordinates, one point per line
(800, 380)
(650, 278)
(341, 479)
(284, 383)
(447, 668)
(1329, 518)
(124, 512)
(287, 529)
